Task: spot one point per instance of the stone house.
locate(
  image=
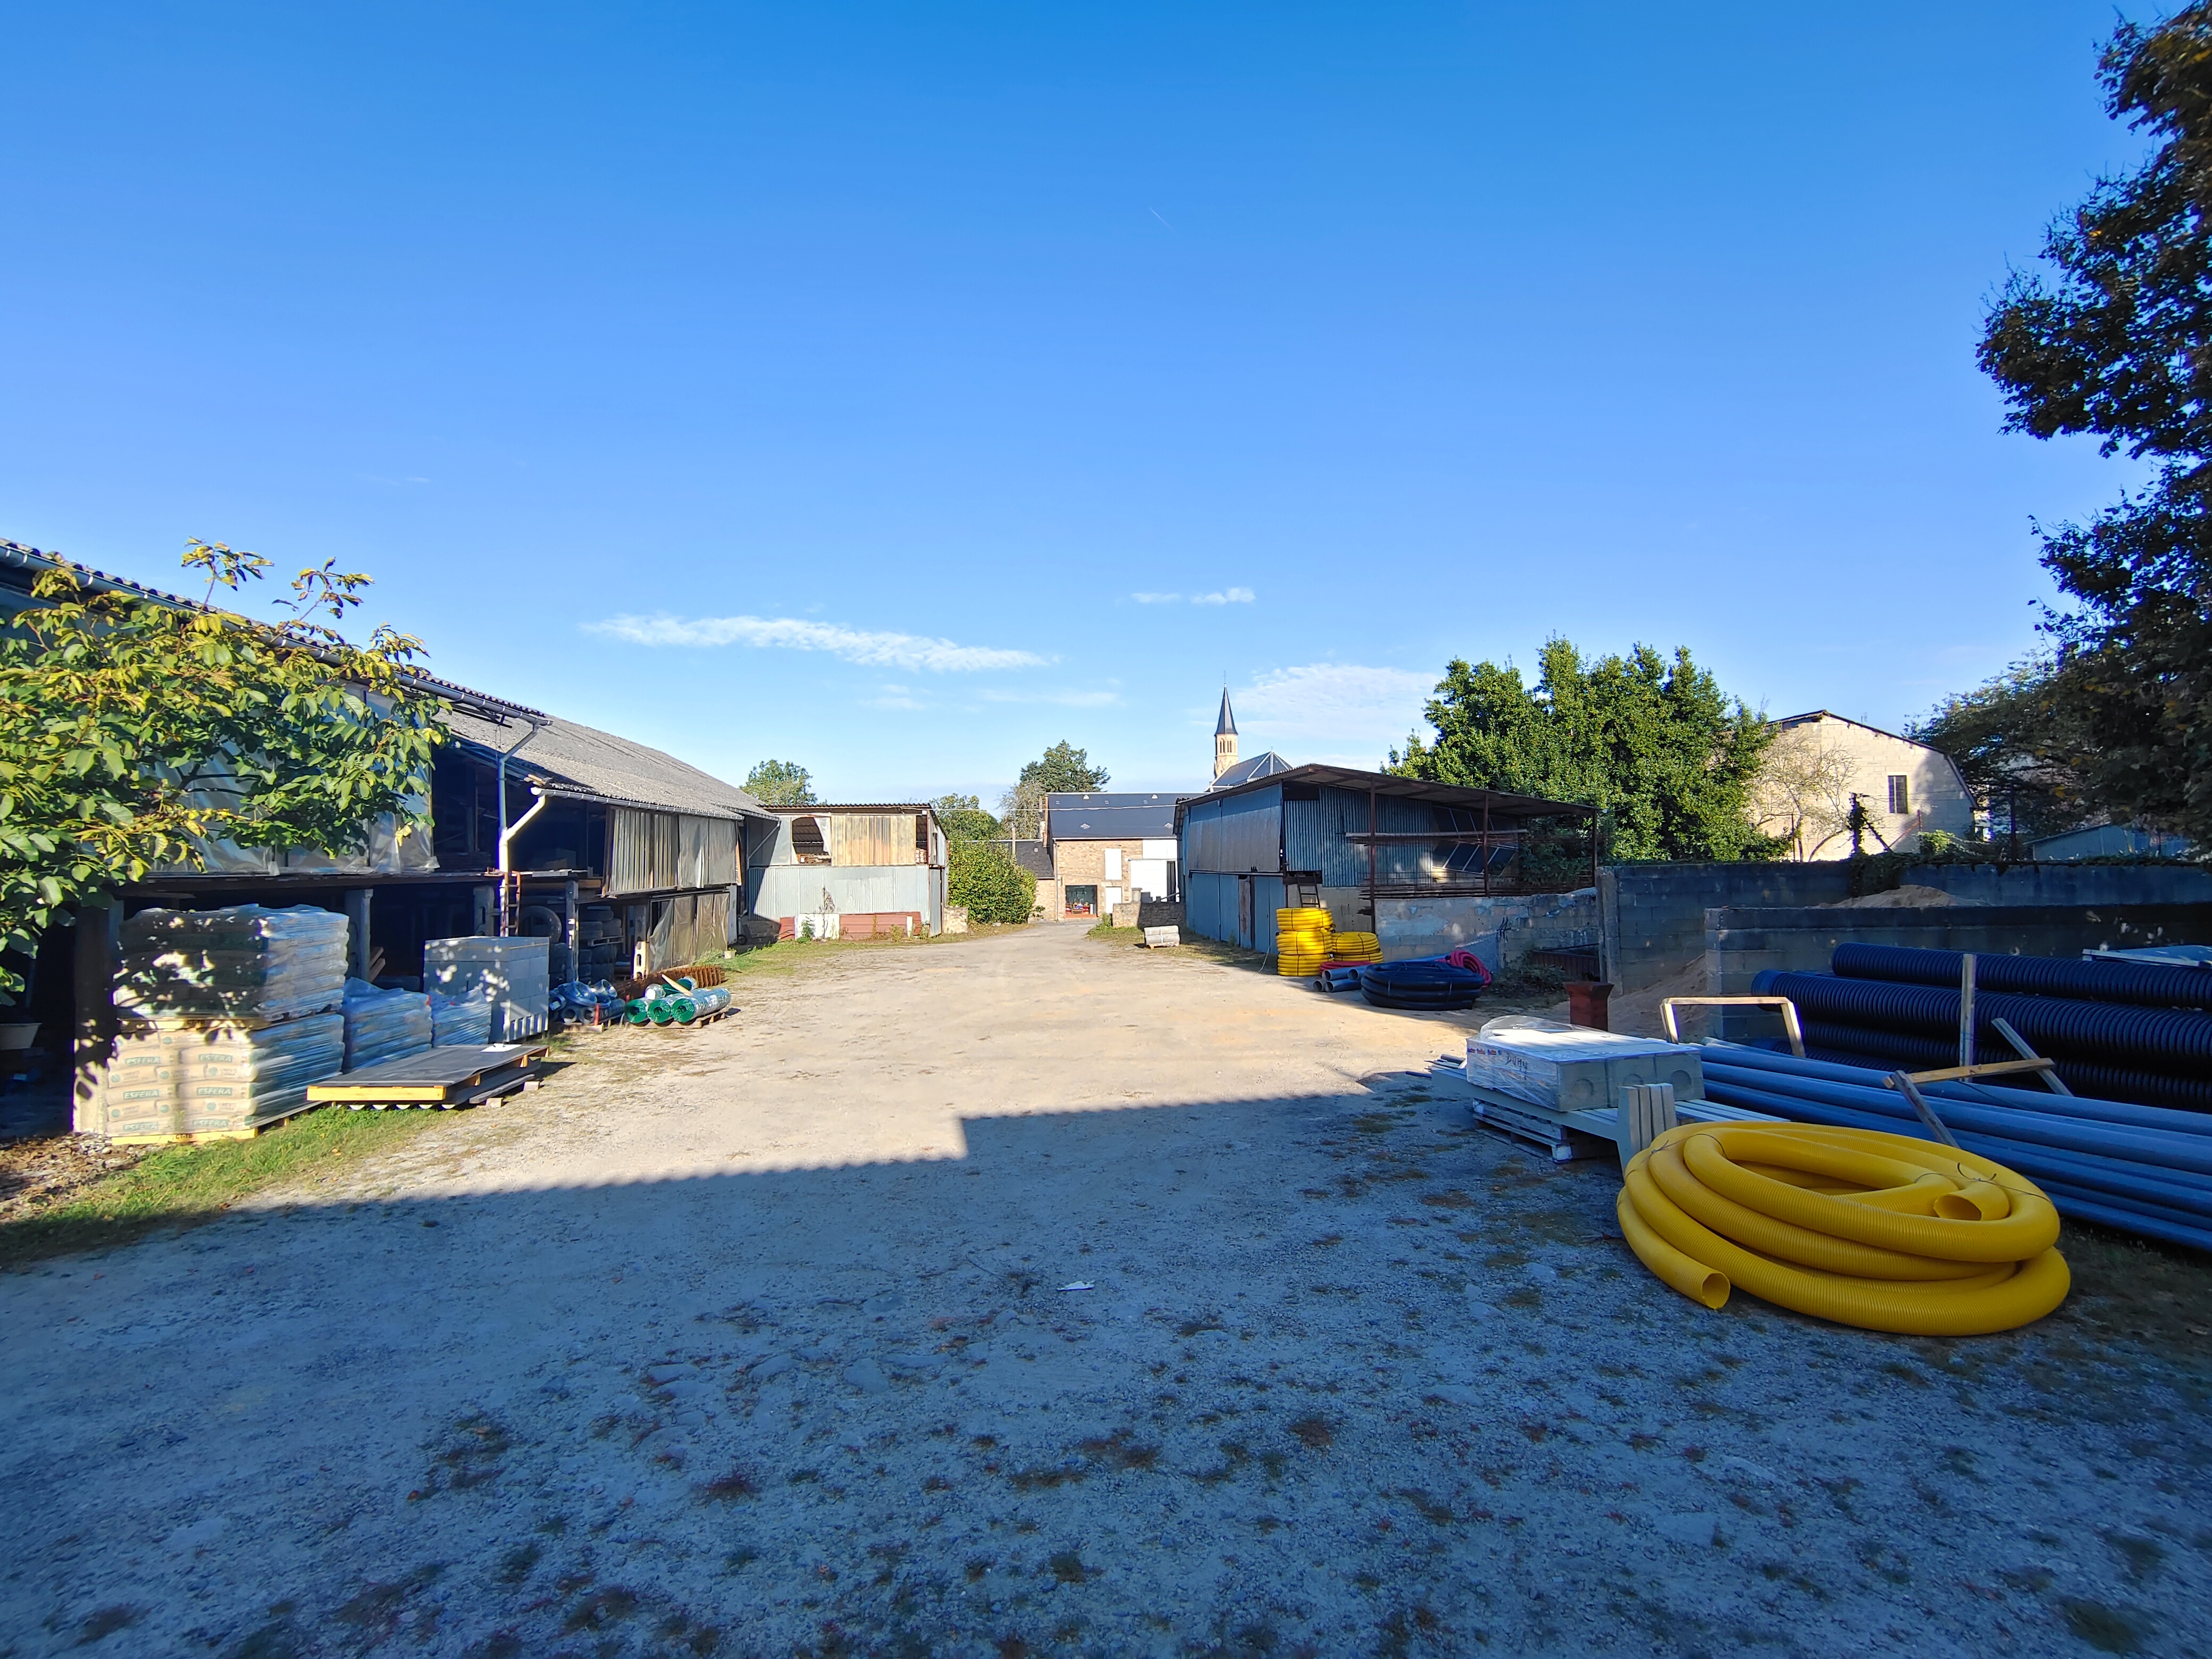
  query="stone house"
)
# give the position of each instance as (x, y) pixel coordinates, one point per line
(1108, 850)
(1820, 762)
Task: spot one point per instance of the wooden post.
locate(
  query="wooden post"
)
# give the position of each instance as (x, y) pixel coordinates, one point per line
(480, 918)
(356, 910)
(98, 936)
(1966, 1009)
(1374, 906)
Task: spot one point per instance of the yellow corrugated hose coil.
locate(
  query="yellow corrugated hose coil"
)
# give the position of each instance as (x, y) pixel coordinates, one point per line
(1302, 939)
(1878, 1231)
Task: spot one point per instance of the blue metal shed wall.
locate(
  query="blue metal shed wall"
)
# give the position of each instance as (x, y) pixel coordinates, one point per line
(1240, 834)
(1209, 906)
(1268, 894)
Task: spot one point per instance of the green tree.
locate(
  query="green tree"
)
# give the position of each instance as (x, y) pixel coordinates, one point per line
(132, 733)
(964, 819)
(2111, 339)
(1655, 744)
(992, 886)
(2019, 741)
(1062, 770)
(780, 783)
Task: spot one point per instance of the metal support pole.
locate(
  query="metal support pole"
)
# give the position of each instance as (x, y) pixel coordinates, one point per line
(1966, 1009)
(356, 907)
(568, 896)
(1374, 908)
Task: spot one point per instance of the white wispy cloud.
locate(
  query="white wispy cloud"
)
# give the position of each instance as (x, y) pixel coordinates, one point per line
(1342, 708)
(1224, 596)
(874, 649)
(1065, 699)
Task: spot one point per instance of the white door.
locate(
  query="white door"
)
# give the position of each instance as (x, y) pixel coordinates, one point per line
(1113, 899)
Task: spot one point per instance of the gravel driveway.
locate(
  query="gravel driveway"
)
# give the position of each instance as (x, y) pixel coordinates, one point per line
(1027, 1295)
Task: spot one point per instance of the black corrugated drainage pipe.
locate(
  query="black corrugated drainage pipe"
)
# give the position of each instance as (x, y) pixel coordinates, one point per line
(2149, 1039)
(2137, 983)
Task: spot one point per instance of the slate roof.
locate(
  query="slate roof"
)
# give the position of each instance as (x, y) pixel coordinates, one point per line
(1225, 727)
(1265, 765)
(1035, 857)
(1116, 816)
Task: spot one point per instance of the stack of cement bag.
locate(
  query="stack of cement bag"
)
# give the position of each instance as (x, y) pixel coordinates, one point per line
(223, 1019)
(381, 1025)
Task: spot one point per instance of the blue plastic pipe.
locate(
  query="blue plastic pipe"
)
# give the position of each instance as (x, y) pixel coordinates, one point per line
(2135, 983)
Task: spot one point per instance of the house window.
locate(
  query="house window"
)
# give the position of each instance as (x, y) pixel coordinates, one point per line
(1083, 901)
(1900, 794)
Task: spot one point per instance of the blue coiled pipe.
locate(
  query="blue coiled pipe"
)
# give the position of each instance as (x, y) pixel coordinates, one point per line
(2134, 982)
(2150, 1039)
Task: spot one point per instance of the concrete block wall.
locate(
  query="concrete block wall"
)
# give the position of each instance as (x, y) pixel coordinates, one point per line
(1654, 915)
(2068, 883)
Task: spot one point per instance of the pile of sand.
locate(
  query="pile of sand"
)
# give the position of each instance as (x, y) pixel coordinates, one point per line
(1907, 897)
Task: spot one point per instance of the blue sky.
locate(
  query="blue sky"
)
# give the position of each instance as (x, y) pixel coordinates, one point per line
(900, 389)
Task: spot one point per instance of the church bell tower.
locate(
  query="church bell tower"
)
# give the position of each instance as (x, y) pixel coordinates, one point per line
(1225, 738)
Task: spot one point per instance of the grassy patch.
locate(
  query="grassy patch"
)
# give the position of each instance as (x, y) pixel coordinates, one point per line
(180, 1186)
(1105, 929)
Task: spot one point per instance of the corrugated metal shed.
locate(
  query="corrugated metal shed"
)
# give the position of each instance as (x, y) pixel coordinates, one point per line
(566, 758)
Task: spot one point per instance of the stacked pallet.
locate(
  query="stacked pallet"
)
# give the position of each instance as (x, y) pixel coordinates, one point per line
(1556, 1088)
(224, 1017)
(381, 1025)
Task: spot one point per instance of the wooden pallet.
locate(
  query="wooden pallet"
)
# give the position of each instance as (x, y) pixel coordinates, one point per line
(449, 1076)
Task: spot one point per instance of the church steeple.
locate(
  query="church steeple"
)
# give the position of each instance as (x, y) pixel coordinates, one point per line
(1224, 737)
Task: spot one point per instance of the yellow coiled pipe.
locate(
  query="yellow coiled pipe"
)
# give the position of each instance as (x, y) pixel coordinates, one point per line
(1878, 1231)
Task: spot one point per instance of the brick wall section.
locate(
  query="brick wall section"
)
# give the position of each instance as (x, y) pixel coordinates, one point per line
(1083, 864)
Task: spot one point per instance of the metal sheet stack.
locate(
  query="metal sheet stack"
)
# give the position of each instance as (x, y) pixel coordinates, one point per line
(224, 1017)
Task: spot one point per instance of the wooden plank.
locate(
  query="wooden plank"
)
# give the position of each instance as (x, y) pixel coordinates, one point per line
(1987, 1068)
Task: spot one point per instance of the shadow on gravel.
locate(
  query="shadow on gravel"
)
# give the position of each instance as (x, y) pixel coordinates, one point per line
(1249, 1377)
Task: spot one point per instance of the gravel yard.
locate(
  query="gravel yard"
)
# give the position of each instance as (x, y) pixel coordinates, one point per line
(1027, 1295)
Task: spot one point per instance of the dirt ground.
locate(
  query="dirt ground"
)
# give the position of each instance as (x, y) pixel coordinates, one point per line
(1028, 1296)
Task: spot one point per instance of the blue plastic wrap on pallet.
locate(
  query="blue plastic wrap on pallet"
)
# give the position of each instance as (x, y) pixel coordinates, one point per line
(2136, 983)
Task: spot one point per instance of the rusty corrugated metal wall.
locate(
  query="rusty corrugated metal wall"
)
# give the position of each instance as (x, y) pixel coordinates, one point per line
(653, 852)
